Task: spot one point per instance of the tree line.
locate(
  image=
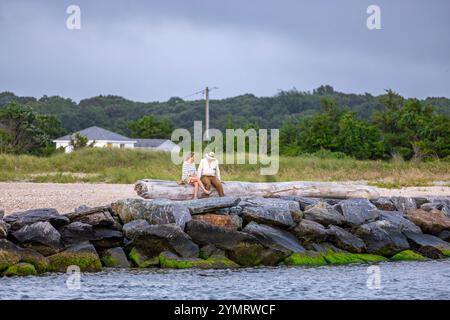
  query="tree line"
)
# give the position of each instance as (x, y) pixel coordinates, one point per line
(360, 126)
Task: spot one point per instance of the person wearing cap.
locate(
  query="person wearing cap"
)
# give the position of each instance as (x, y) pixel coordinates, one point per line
(209, 173)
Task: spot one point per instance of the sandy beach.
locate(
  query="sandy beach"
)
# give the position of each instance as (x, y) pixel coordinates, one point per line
(19, 196)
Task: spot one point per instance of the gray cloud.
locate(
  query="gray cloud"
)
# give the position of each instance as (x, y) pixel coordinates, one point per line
(152, 50)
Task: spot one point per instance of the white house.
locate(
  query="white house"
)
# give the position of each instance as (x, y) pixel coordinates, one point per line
(107, 139)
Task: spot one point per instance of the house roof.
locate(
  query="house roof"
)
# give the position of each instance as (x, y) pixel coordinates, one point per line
(149, 143)
(97, 133)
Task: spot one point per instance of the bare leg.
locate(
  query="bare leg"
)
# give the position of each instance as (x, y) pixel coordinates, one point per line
(202, 186)
(195, 190)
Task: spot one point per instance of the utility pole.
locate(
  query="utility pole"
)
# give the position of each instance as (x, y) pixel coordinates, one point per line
(207, 113)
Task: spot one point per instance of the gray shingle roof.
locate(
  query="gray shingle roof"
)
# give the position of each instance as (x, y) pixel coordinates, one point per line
(149, 143)
(97, 133)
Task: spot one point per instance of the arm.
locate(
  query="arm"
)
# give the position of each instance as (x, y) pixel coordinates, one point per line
(200, 169)
(218, 171)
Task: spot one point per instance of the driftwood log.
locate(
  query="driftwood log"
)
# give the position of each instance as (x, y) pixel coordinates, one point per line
(154, 189)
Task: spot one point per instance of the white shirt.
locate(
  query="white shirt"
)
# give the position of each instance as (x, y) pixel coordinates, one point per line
(209, 168)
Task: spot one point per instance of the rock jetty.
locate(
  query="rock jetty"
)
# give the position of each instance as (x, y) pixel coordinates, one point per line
(228, 232)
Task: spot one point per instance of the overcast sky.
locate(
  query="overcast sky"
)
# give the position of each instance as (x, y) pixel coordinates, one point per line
(153, 50)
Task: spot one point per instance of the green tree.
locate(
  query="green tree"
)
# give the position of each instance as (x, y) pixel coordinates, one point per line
(151, 126)
(78, 141)
(359, 139)
(24, 131)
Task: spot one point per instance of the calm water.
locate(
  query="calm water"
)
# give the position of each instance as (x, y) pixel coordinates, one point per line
(400, 280)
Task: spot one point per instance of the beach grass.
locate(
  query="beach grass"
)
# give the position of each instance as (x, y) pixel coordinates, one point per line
(127, 166)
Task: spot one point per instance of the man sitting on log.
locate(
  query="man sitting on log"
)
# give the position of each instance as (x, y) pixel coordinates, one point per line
(209, 173)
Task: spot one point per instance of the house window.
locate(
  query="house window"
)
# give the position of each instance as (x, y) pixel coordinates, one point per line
(122, 145)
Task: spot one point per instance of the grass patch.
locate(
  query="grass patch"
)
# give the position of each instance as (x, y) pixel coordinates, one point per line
(127, 166)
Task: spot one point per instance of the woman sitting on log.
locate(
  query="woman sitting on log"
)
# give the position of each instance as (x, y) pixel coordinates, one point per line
(189, 175)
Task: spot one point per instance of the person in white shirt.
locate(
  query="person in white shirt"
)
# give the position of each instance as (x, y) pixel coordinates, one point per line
(209, 173)
(189, 175)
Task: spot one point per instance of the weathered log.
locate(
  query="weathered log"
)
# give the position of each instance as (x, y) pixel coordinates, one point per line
(153, 189)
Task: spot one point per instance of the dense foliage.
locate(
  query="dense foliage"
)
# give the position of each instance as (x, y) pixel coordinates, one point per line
(359, 125)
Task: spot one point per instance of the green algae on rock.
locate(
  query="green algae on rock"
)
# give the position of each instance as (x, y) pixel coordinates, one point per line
(408, 255)
(309, 258)
(82, 255)
(20, 269)
(170, 260)
(141, 261)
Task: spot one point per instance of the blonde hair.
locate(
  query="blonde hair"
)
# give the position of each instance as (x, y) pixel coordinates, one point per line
(189, 156)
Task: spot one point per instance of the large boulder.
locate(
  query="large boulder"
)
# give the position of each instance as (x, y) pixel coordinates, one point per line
(241, 247)
(9, 254)
(212, 204)
(274, 216)
(4, 229)
(324, 214)
(2, 213)
(105, 238)
(345, 240)
(384, 204)
(382, 237)
(433, 221)
(159, 211)
(18, 220)
(288, 205)
(357, 211)
(233, 222)
(445, 235)
(39, 236)
(404, 203)
(274, 238)
(154, 239)
(428, 245)
(115, 258)
(76, 232)
(82, 255)
(135, 227)
(309, 231)
(398, 220)
(302, 201)
(97, 217)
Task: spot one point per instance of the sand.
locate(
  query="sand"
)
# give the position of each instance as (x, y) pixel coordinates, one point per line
(65, 197)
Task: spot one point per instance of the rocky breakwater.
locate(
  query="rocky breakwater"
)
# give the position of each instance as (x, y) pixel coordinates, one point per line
(225, 232)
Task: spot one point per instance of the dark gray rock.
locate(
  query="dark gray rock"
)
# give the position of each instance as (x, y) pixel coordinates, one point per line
(384, 203)
(106, 238)
(82, 208)
(4, 229)
(2, 213)
(236, 210)
(428, 245)
(324, 214)
(277, 217)
(345, 240)
(382, 237)
(243, 248)
(210, 250)
(398, 220)
(303, 201)
(323, 247)
(212, 204)
(115, 258)
(309, 231)
(40, 236)
(357, 211)
(97, 217)
(154, 239)
(274, 238)
(18, 220)
(420, 201)
(445, 235)
(404, 203)
(10, 254)
(134, 227)
(76, 232)
(159, 211)
(287, 205)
